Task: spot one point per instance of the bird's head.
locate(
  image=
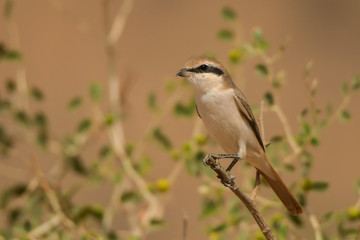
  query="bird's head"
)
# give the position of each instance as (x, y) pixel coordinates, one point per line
(204, 74)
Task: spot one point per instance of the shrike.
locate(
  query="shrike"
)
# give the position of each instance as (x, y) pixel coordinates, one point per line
(230, 122)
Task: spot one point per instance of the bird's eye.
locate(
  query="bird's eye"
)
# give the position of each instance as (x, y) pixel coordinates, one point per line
(203, 67)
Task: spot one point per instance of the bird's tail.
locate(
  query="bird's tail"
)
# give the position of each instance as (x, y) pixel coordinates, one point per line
(281, 190)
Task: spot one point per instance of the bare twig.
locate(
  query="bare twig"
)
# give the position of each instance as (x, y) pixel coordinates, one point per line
(228, 181)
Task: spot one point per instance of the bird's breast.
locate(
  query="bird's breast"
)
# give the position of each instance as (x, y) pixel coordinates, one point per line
(221, 118)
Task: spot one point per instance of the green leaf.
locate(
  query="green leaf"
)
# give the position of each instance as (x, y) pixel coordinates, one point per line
(345, 116)
(261, 70)
(40, 120)
(228, 14)
(10, 193)
(170, 86)
(23, 118)
(96, 91)
(84, 212)
(315, 141)
(76, 164)
(42, 138)
(259, 41)
(356, 82)
(8, 8)
(345, 89)
(225, 35)
(269, 99)
(320, 186)
(105, 152)
(36, 94)
(185, 110)
(297, 220)
(326, 217)
(130, 196)
(217, 228)
(10, 85)
(161, 138)
(74, 103)
(84, 126)
(209, 207)
(157, 223)
(152, 101)
(144, 165)
(279, 80)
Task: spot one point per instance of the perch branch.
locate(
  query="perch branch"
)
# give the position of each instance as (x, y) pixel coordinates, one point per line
(228, 181)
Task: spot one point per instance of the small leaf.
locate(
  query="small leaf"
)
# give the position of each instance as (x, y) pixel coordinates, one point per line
(225, 35)
(144, 165)
(11, 192)
(40, 120)
(217, 228)
(157, 223)
(295, 219)
(76, 164)
(269, 99)
(96, 91)
(259, 41)
(84, 126)
(326, 217)
(130, 196)
(8, 9)
(261, 70)
(42, 138)
(23, 118)
(161, 138)
(185, 110)
(74, 103)
(105, 152)
(279, 80)
(345, 116)
(152, 101)
(345, 89)
(320, 186)
(36, 94)
(304, 112)
(209, 207)
(228, 14)
(84, 212)
(10, 85)
(315, 141)
(356, 82)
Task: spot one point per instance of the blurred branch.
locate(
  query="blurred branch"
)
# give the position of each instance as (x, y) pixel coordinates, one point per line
(118, 25)
(228, 181)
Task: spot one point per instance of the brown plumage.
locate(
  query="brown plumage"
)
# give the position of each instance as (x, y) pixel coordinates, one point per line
(230, 121)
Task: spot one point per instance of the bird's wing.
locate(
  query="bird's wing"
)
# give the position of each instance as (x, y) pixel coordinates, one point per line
(245, 109)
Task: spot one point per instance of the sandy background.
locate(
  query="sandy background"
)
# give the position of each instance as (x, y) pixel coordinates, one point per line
(62, 42)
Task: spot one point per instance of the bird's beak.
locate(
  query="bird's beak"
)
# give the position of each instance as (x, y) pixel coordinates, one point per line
(182, 72)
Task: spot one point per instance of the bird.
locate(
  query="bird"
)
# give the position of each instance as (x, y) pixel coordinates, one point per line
(229, 120)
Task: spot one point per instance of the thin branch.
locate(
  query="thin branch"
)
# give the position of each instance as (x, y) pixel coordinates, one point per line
(228, 181)
(118, 25)
(288, 132)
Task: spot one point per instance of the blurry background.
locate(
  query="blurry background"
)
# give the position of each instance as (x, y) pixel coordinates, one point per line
(63, 47)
